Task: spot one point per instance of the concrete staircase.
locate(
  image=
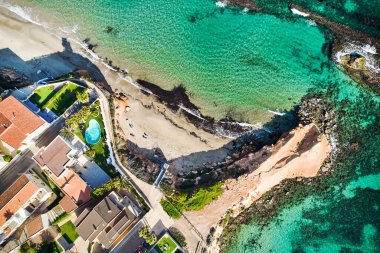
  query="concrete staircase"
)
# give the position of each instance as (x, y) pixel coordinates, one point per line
(54, 213)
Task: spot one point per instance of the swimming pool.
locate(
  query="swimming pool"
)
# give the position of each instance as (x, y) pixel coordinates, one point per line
(93, 132)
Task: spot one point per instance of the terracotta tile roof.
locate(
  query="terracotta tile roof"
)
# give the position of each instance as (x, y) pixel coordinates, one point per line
(13, 136)
(4, 123)
(12, 190)
(67, 204)
(20, 115)
(54, 156)
(73, 185)
(15, 197)
(17, 121)
(34, 226)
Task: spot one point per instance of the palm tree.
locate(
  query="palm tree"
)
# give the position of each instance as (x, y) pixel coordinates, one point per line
(83, 97)
(67, 132)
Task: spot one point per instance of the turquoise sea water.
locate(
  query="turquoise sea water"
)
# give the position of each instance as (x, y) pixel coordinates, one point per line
(230, 62)
(342, 212)
(244, 64)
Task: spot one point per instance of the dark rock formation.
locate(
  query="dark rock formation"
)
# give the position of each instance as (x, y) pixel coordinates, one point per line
(249, 151)
(11, 78)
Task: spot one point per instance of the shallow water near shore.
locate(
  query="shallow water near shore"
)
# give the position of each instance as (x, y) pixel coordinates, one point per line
(242, 65)
(342, 214)
(231, 62)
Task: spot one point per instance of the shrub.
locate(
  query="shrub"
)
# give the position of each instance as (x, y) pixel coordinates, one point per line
(195, 200)
(90, 153)
(26, 248)
(114, 184)
(83, 97)
(7, 158)
(178, 236)
(148, 236)
(170, 209)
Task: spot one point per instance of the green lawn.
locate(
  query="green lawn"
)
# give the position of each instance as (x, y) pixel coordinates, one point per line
(165, 245)
(42, 95)
(68, 232)
(63, 98)
(61, 218)
(100, 148)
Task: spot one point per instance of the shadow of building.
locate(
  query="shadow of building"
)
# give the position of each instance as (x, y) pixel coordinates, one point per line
(52, 65)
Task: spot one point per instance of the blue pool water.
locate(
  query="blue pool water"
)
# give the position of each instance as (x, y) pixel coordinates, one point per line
(93, 132)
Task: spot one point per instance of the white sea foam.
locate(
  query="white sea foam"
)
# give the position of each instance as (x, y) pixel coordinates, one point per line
(192, 112)
(25, 13)
(311, 22)
(370, 49)
(298, 12)
(367, 51)
(69, 30)
(221, 4)
(276, 113)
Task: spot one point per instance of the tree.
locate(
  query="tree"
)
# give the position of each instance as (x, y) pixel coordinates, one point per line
(114, 184)
(26, 248)
(83, 97)
(67, 132)
(90, 153)
(148, 236)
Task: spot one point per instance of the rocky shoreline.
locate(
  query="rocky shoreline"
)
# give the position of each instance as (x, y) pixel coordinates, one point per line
(251, 142)
(342, 37)
(312, 110)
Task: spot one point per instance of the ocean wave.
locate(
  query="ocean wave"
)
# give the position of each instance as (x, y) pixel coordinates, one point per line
(221, 4)
(276, 113)
(69, 30)
(23, 12)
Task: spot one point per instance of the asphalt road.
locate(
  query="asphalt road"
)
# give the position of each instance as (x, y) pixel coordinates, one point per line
(25, 162)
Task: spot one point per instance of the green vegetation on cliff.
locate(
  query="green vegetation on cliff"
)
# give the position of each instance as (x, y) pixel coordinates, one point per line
(178, 201)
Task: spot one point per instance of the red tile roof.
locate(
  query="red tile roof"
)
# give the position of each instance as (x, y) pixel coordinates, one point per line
(13, 136)
(4, 123)
(15, 197)
(21, 121)
(54, 156)
(67, 204)
(73, 185)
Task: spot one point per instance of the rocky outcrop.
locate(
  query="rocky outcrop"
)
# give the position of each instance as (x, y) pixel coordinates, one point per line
(250, 150)
(11, 78)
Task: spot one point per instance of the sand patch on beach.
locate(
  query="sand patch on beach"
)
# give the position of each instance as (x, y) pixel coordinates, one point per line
(153, 128)
(295, 156)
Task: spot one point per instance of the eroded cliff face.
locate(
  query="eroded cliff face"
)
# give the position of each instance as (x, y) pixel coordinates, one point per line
(257, 148)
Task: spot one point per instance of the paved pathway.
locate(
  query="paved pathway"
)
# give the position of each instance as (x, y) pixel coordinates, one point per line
(157, 219)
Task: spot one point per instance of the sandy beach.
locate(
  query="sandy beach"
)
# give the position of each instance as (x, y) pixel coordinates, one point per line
(29, 48)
